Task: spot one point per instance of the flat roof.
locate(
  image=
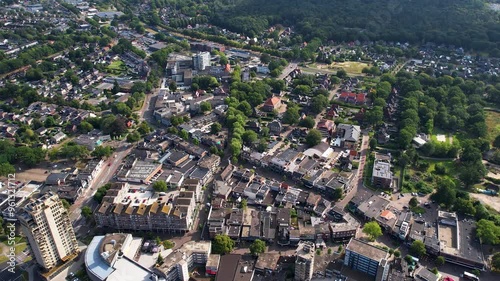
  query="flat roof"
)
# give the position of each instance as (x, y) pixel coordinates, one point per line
(366, 250)
(94, 261)
(227, 267)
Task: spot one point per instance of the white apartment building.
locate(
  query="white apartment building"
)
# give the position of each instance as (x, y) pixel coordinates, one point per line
(46, 224)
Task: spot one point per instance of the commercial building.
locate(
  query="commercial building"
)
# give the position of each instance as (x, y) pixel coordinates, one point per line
(138, 171)
(201, 60)
(366, 258)
(46, 224)
(144, 210)
(178, 264)
(111, 258)
(456, 243)
(382, 175)
(304, 264)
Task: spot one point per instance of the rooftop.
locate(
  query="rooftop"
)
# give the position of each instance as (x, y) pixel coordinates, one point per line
(366, 250)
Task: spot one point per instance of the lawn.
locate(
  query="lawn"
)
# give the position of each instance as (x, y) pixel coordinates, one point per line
(351, 67)
(116, 67)
(4, 248)
(493, 123)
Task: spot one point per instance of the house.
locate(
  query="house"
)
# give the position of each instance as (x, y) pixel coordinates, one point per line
(57, 138)
(271, 104)
(275, 127)
(326, 127)
(347, 136)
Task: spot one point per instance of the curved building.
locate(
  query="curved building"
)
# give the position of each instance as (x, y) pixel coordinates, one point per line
(111, 258)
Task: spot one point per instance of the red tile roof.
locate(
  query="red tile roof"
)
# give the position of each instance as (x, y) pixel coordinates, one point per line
(272, 101)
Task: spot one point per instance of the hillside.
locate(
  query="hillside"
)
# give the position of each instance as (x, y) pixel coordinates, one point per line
(467, 23)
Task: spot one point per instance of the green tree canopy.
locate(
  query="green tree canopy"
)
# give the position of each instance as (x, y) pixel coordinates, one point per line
(313, 137)
(417, 248)
(372, 229)
(222, 244)
(488, 232)
(160, 186)
(307, 122)
(258, 247)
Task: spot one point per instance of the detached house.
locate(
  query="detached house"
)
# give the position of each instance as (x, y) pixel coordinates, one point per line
(271, 104)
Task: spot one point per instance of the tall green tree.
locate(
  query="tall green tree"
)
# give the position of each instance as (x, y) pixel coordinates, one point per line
(222, 244)
(373, 230)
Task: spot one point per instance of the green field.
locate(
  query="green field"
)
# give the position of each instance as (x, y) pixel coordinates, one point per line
(493, 123)
(116, 67)
(351, 67)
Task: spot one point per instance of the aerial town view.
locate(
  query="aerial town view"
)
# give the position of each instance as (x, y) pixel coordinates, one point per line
(249, 140)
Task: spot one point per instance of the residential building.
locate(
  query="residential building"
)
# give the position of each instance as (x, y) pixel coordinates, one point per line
(382, 175)
(143, 210)
(138, 171)
(271, 104)
(367, 258)
(201, 60)
(177, 265)
(46, 224)
(347, 136)
(304, 264)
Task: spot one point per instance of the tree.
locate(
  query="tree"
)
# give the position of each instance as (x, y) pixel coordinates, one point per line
(205, 106)
(65, 204)
(49, 122)
(172, 86)
(258, 247)
(249, 137)
(373, 144)
(372, 229)
(495, 261)
(6, 168)
(222, 244)
(215, 128)
(496, 142)
(318, 103)
(160, 186)
(445, 193)
(440, 261)
(167, 244)
(307, 122)
(85, 127)
(291, 115)
(159, 260)
(313, 137)
(102, 151)
(417, 248)
(337, 193)
(413, 202)
(244, 204)
(86, 212)
(488, 232)
(435, 271)
(397, 253)
(133, 137)
(341, 73)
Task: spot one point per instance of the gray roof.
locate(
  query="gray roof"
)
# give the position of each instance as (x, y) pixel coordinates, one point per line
(351, 132)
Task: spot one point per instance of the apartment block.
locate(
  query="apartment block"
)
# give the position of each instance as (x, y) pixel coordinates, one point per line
(46, 224)
(178, 264)
(366, 258)
(304, 264)
(132, 209)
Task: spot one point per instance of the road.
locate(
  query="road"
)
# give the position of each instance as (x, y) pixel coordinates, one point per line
(288, 69)
(107, 172)
(358, 181)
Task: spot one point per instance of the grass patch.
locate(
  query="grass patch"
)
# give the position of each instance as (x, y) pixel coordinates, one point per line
(351, 67)
(493, 124)
(116, 67)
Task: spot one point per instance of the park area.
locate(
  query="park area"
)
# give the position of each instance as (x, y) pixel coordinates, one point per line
(493, 124)
(351, 67)
(117, 67)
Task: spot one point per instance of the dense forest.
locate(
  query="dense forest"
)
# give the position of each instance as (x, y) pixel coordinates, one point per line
(467, 23)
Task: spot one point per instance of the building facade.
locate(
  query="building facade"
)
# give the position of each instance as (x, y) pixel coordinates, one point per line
(366, 258)
(46, 224)
(304, 264)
